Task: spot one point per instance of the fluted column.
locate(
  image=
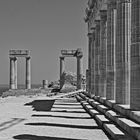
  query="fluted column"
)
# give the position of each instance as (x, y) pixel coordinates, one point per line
(89, 60)
(93, 62)
(28, 73)
(87, 80)
(97, 49)
(79, 75)
(123, 52)
(62, 69)
(12, 73)
(15, 72)
(103, 45)
(111, 44)
(135, 56)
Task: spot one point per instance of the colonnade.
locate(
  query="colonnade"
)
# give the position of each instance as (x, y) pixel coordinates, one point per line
(72, 53)
(114, 51)
(13, 73)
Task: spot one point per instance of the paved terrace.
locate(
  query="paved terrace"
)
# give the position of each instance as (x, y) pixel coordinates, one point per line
(30, 118)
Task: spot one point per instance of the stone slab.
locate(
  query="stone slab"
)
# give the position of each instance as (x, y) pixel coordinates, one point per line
(102, 108)
(130, 126)
(101, 119)
(110, 103)
(115, 132)
(102, 100)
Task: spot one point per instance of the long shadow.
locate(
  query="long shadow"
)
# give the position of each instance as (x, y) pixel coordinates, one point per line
(64, 125)
(69, 117)
(68, 111)
(66, 107)
(41, 105)
(73, 104)
(8, 124)
(35, 137)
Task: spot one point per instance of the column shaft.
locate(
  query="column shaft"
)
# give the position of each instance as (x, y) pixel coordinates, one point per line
(97, 49)
(135, 56)
(123, 52)
(111, 38)
(89, 60)
(12, 73)
(15, 71)
(93, 62)
(102, 60)
(28, 73)
(79, 78)
(62, 69)
(87, 81)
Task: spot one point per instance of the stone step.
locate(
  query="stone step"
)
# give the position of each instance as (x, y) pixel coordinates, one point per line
(101, 119)
(130, 126)
(82, 96)
(102, 108)
(93, 103)
(127, 125)
(78, 98)
(116, 133)
(112, 115)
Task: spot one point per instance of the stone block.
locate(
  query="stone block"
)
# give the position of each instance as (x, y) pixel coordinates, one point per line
(110, 103)
(116, 133)
(101, 119)
(102, 108)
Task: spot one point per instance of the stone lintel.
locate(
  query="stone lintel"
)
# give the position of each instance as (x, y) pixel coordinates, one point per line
(123, 1)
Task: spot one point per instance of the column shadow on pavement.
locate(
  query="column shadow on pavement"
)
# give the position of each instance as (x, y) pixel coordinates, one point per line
(64, 125)
(41, 105)
(35, 137)
(69, 117)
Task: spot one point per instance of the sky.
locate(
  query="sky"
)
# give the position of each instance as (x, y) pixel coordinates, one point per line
(44, 27)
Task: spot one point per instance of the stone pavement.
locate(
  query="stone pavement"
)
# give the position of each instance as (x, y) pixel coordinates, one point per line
(24, 118)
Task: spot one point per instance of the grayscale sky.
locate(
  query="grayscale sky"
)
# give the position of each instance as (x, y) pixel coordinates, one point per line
(44, 27)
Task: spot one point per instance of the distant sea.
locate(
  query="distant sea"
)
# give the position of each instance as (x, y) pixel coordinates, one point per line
(4, 88)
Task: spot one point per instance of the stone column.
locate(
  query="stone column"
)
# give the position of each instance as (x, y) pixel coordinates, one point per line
(103, 45)
(111, 43)
(15, 71)
(45, 84)
(135, 56)
(62, 69)
(123, 51)
(93, 62)
(12, 73)
(89, 61)
(28, 73)
(97, 46)
(87, 80)
(79, 75)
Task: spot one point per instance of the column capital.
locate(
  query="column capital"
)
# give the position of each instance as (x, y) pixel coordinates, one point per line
(123, 1)
(97, 21)
(62, 57)
(29, 57)
(103, 14)
(112, 4)
(79, 53)
(13, 58)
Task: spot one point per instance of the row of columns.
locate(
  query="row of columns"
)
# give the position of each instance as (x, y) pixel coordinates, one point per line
(13, 73)
(62, 70)
(114, 54)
